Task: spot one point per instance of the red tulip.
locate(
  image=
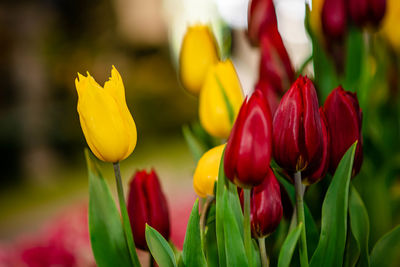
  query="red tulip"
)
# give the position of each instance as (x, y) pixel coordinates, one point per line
(363, 12)
(147, 204)
(265, 206)
(377, 9)
(297, 130)
(273, 97)
(313, 176)
(248, 152)
(334, 18)
(344, 118)
(275, 65)
(261, 19)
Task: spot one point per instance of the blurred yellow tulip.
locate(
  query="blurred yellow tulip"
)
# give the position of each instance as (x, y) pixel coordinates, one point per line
(198, 52)
(105, 119)
(315, 18)
(220, 99)
(391, 22)
(206, 172)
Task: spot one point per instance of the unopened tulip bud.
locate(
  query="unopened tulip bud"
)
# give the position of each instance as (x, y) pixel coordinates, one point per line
(334, 18)
(364, 12)
(198, 52)
(261, 19)
(147, 204)
(105, 119)
(297, 130)
(220, 99)
(265, 206)
(206, 173)
(248, 152)
(273, 97)
(344, 118)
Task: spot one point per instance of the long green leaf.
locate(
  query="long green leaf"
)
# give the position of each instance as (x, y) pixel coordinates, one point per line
(234, 247)
(234, 203)
(332, 241)
(359, 223)
(159, 248)
(211, 248)
(192, 253)
(386, 251)
(220, 213)
(105, 227)
(288, 246)
(195, 146)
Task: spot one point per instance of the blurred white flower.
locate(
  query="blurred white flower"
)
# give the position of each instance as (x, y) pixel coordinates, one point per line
(233, 12)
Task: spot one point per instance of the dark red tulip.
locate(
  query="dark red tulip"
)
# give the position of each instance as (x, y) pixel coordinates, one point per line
(364, 12)
(334, 18)
(344, 118)
(248, 152)
(377, 9)
(147, 204)
(265, 206)
(297, 131)
(261, 19)
(273, 97)
(275, 65)
(313, 176)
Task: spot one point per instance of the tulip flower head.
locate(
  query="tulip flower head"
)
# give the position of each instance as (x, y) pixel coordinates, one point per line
(261, 19)
(334, 18)
(364, 12)
(198, 52)
(344, 119)
(248, 152)
(147, 204)
(105, 119)
(206, 173)
(220, 99)
(297, 130)
(265, 206)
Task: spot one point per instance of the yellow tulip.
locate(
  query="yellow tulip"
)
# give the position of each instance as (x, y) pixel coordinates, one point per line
(391, 22)
(105, 119)
(222, 85)
(315, 18)
(206, 172)
(198, 52)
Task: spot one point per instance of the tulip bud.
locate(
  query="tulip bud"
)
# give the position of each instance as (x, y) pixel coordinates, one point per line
(248, 151)
(297, 131)
(377, 10)
(275, 65)
(105, 119)
(390, 27)
(315, 17)
(265, 206)
(313, 176)
(344, 118)
(367, 11)
(273, 97)
(220, 99)
(198, 52)
(206, 172)
(334, 18)
(261, 19)
(147, 204)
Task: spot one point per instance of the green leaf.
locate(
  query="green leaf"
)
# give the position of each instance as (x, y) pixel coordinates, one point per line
(332, 241)
(352, 250)
(288, 246)
(211, 248)
(195, 146)
(234, 203)
(220, 213)
(159, 248)
(386, 251)
(354, 58)
(234, 247)
(192, 253)
(105, 227)
(359, 223)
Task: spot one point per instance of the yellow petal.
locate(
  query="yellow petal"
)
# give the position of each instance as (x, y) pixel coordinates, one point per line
(390, 24)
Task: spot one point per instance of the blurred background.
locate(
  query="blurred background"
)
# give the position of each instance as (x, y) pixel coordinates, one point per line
(43, 44)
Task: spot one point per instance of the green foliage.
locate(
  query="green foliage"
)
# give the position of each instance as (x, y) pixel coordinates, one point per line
(210, 237)
(159, 248)
(386, 251)
(332, 241)
(288, 246)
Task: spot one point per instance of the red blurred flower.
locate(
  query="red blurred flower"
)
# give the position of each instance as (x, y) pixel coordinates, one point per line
(147, 204)
(261, 19)
(248, 151)
(344, 118)
(297, 131)
(363, 12)
(334, 18)
(273, 97)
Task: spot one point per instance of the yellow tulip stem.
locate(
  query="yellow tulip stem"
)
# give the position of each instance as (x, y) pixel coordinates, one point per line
(125, 218)
(263, 252)
(300, 218)
(246, 226)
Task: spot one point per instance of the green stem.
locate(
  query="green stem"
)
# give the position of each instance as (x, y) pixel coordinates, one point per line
(263, 252)
(300, 218)
(246, 226)
(125, 218)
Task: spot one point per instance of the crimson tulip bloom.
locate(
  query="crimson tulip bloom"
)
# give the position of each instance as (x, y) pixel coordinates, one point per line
(334, 18)
(363, 12)
(147, 204)
(248, 151)
(265, 206)
(344, 118)
(261, 19)
(271, 94)
(297, 130)
(313, 176)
